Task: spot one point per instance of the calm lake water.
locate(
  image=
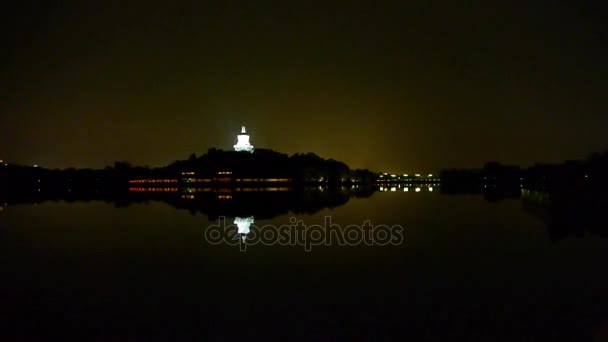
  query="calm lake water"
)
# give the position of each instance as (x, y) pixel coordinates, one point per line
(466, 267)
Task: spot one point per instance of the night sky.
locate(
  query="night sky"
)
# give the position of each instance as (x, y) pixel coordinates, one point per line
(388, 86)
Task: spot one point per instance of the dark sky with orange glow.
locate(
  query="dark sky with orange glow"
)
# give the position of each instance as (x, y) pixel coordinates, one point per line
(391, 86)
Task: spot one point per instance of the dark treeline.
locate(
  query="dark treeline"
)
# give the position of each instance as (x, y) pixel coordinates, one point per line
(263, 163)
(27, 179)
(573, 174)
(570, 197)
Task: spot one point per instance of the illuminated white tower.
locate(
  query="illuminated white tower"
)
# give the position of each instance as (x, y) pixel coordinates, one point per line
(242, 143)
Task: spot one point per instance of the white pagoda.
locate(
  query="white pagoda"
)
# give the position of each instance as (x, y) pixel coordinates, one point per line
(242, 144)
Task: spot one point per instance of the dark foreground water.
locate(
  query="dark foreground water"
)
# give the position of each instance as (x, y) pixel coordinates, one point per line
(466, 268)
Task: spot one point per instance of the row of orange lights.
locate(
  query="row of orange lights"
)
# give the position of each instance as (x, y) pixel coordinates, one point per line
(263, 180)
(206, 180)
(153, 189)
(262, 189)
(153, 181)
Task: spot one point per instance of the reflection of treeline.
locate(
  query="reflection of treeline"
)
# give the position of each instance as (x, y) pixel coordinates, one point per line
(300, 200)
(568, 214)
(265, 205)
(263, 163)
(575, 196)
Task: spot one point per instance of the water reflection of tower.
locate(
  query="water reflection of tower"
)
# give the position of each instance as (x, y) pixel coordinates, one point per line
(243, 224)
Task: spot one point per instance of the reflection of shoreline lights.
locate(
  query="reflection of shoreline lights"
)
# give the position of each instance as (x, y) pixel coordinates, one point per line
(417, 189)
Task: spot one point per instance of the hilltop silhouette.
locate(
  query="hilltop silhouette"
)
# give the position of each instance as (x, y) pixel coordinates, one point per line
(263, 163)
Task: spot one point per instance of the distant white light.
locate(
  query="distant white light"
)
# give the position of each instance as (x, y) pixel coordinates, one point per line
(393, 175)
(417, 175)
(430, 175)
(586, 176)
(381, 176)
(393, 189)
(35, 165)
(417, 189)
(381, 188)
(406, 189)
(405, 175)
(430, 188)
